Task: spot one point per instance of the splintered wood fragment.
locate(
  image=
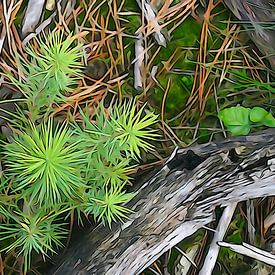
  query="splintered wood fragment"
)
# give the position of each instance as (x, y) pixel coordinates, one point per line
(174, 202)
(251, 251)
(212, 255)
(50, 4)
(32, 15)
(139, 62)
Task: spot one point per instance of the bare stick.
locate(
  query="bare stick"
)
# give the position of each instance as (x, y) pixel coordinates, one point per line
(251, 251)
(151, 18)
(212, 255)
(139, 51)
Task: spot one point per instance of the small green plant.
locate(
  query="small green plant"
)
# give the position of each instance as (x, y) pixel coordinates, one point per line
(44, 165)
(52, 169)
(31, 232)
(111, 146)
(106, 206)
(81, 167)
(130, 128)
(58, 60)
(239, 120)
(48, 74)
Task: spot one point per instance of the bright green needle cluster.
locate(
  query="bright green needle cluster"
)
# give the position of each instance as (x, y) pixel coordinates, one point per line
(37, 232)
(52, 169)
(58, 60)
(111, 146)
(132, 128)
(52, 70)
(44, 164)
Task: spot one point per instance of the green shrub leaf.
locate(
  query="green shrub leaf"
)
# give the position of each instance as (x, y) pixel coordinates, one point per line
(269, 120)
(236, 120)
(239, 130)
(257, 114)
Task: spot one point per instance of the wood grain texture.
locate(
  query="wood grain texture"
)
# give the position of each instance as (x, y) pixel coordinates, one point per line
(173, 204)
(257, 16)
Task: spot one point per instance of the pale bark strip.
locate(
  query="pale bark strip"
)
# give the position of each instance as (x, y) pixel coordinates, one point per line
(151, 19)
(139, 62)
(251, 251)
(174, 203)
(212, 255)
(32, 15)
(251, 221)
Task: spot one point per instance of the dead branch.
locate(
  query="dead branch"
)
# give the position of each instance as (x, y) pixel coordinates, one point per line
(175, 202)
(251, 251)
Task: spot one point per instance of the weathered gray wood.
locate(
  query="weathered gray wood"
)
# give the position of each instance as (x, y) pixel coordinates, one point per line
(257, 16)
(173, 204)
(32, 15)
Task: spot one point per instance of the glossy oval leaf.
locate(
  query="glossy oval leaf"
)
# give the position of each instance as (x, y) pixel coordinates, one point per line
(257, 114)
(235, 116)
(236, 120)
(269, 120)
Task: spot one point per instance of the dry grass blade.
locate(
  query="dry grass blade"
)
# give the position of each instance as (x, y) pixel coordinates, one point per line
(200, 91)
(7, 14)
